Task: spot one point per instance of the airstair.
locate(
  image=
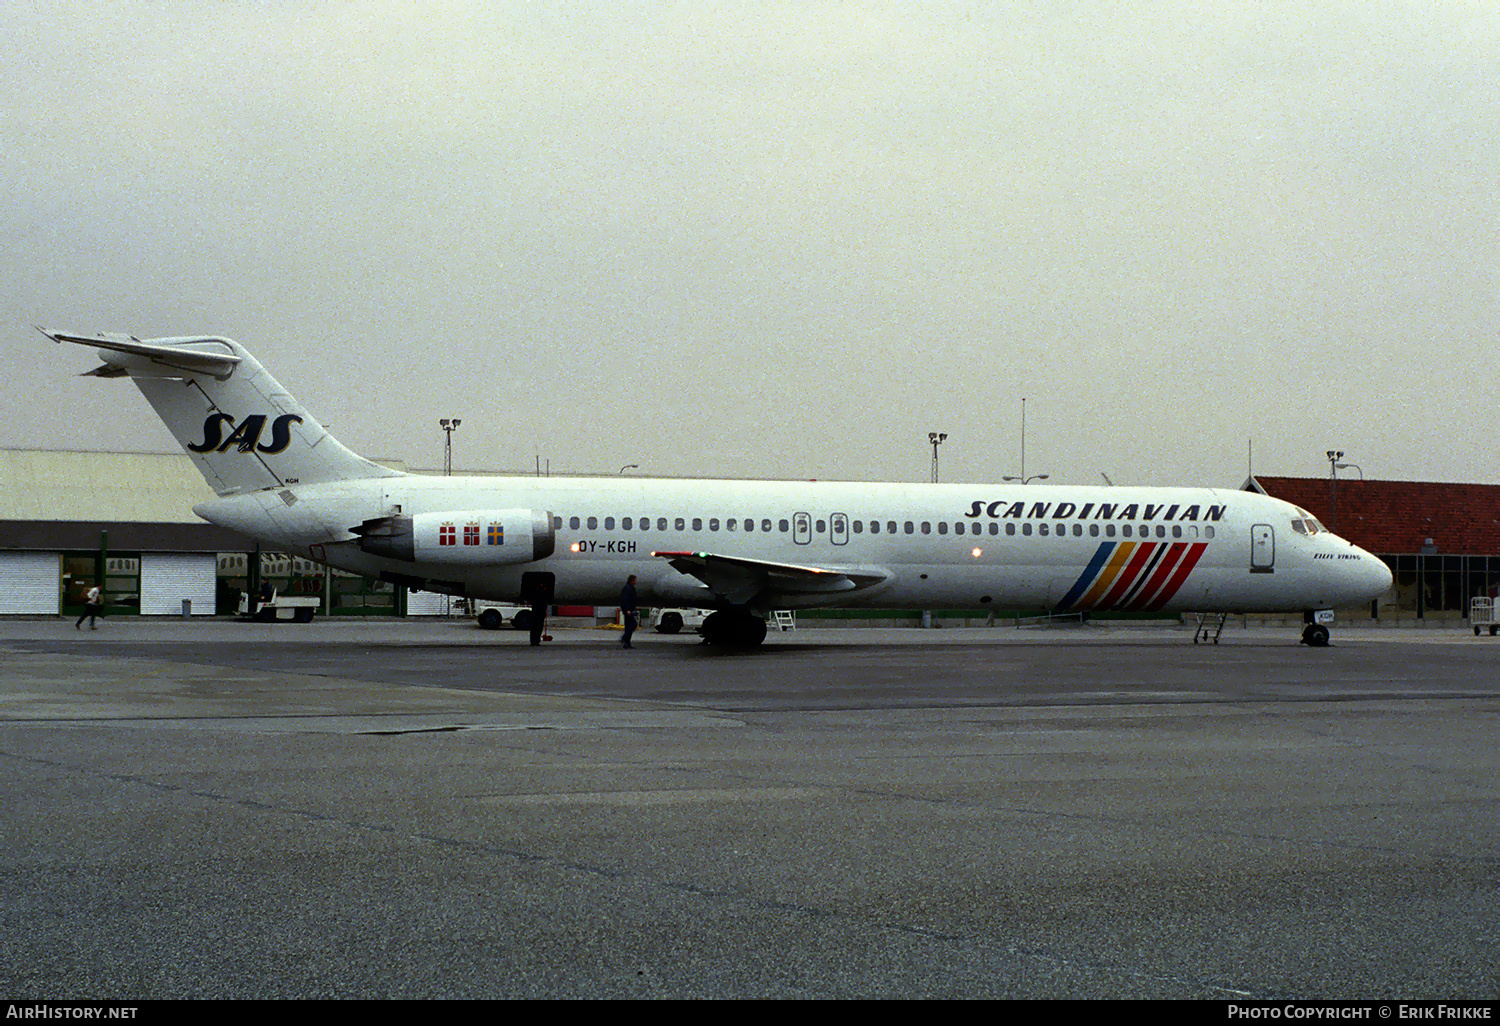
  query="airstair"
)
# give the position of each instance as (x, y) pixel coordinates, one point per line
(1207, 629)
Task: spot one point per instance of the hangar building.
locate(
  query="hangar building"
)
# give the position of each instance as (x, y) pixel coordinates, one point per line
(1441, 541)
(69, 518)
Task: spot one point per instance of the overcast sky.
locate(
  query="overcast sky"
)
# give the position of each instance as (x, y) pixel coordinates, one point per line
(781, 240)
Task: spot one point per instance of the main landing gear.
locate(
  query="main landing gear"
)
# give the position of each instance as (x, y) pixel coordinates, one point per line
(733, 628)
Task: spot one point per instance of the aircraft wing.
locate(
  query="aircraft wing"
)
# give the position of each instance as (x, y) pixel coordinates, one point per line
(193, 361)
(739, 579)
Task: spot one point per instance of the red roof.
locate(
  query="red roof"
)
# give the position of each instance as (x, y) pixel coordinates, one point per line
(1400, 516)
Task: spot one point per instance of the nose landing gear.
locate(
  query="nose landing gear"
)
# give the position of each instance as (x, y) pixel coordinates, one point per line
(1315, 634)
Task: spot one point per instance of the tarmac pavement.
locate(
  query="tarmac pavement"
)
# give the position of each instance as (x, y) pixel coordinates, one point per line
(421, 809)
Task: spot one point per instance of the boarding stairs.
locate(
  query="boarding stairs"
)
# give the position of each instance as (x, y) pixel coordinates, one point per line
(1208, 630)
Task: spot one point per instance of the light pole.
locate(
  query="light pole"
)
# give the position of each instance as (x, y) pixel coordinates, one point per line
(1333, 473)
(1021, 477)
(936, 438)
(448, 426)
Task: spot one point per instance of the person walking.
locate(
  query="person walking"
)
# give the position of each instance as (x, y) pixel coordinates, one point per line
(628, 611)
(538, 602)
(93, 608)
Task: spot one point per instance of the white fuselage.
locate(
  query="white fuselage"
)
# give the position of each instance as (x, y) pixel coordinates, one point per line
(930, 546)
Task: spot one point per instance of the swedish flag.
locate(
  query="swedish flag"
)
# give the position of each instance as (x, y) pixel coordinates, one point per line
(497, 534)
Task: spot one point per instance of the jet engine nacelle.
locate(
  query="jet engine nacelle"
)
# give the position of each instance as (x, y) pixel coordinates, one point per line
(469, 537)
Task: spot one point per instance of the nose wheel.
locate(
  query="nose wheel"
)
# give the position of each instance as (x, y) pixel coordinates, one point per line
(1315, 635)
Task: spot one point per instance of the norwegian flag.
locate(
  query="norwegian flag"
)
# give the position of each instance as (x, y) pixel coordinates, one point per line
(471, 533)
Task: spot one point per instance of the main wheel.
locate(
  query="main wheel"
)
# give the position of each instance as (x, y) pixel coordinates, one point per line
(734, 629)
(491, 619)
(1315, 635)
(670, 623)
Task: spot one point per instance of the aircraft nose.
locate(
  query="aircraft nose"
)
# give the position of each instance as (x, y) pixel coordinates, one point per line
(1375, 575)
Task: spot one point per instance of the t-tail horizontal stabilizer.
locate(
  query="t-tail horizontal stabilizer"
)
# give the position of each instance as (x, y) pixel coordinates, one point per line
(244, 430)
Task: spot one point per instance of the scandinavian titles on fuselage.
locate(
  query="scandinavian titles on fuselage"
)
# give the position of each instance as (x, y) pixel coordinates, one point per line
(1002, 509)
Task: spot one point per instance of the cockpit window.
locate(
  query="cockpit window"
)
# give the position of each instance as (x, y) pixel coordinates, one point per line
(1307, 525)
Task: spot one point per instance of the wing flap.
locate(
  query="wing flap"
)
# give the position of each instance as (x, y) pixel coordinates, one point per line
(741, 580)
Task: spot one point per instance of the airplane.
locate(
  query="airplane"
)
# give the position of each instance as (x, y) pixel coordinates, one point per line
(741, 548)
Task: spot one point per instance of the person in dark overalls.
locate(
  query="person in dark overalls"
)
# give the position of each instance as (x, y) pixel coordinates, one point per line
(538, 603)
(628, 610)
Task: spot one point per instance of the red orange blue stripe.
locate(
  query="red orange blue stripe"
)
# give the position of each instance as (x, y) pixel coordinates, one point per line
(1133, 575)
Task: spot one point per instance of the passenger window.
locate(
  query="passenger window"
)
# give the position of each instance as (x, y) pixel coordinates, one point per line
(1161, 532)
(713, 523)
(749, 523)
(910, 527)
(626, 524)
(874, 526)
(697, 523)
(557, 523)
(1093, 530)
(859, 527)
(681, 524)
(942, 527)
(890, 527)
(1176, 531)
(926, 527)
(783, 526)
(1208, 532)
(729, 524)
(593, 523)
(573, 523)
(609, 523)
(1109, 530)
(994, 527)
(1077, 530)
(821, 527)
(1125, 531)
(1041, 529)
(765, 525)
(1026, 529)
(1010, 528)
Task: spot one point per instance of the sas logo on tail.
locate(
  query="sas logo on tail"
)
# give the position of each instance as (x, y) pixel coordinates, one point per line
(247, 434)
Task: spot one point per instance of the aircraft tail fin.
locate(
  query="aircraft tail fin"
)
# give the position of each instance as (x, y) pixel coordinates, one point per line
(244, 430)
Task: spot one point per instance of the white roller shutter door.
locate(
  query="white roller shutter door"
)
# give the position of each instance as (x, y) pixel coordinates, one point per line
(169, 577)
(29, 582)
(427, 603)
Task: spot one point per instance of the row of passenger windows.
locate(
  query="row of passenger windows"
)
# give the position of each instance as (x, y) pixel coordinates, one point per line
(1026, 528)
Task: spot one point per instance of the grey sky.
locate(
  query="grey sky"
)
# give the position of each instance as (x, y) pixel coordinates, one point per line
(776, 239)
